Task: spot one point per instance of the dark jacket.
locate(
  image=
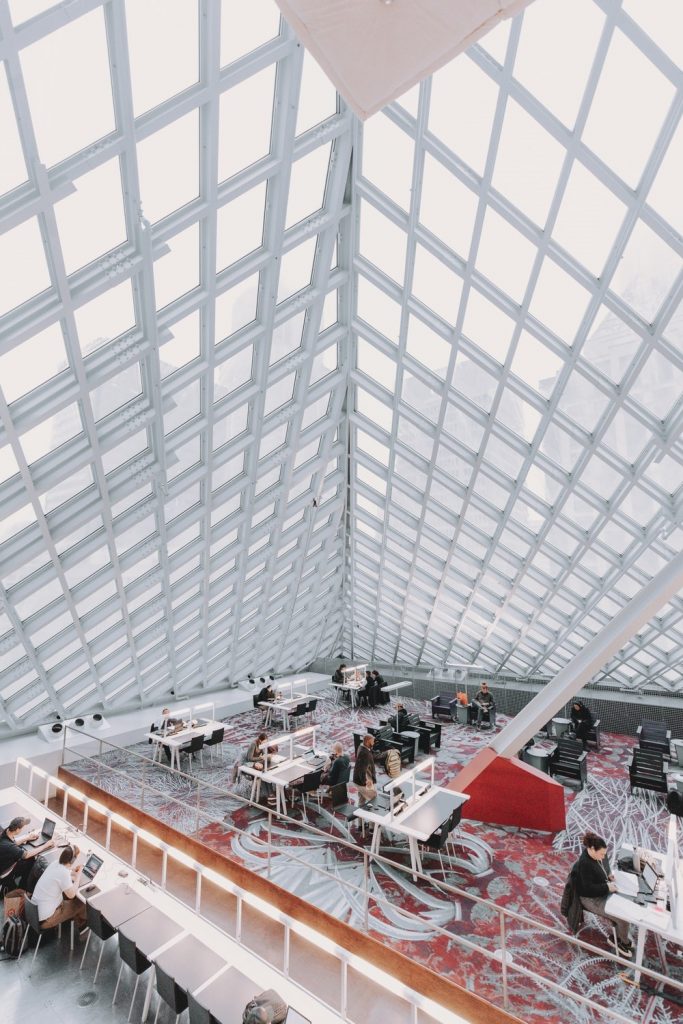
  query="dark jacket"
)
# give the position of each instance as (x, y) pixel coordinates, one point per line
(10, 852)
(338, 676)
(267, 693)
(591, 878)
(364, 766)
(340, 771)
(581, 717)
(571, 901)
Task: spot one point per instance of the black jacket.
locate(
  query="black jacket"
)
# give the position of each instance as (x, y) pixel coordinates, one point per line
(571, 902)
(364, 766)
(340, 771)
(581, 717)
(591, 878)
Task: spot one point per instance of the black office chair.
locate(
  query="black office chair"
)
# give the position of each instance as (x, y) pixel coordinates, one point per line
(171, 993)
(339, 798)
(138, 963)
(299, 711)
(195, 746)
(654, 736)
(310, 708)
(198, 1013)
(437, 842)
(33, 923)
(309, 784)
(100, 927)
(215, 740)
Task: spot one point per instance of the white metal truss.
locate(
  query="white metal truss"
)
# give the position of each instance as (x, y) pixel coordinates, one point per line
(250, 407)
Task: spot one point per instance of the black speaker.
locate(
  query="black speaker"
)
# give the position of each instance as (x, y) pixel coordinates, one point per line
(97, 717)
(674, 803)
(79, 722)
(57, 727)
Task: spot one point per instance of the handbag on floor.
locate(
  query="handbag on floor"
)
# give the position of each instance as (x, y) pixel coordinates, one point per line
(14, 903)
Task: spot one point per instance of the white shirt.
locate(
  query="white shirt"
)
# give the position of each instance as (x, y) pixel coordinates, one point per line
(49, 891)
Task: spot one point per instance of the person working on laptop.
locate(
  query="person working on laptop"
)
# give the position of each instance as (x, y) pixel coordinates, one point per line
(14, 851)
(167, 727)
(57, 889)
(595, 882)
(338, 769)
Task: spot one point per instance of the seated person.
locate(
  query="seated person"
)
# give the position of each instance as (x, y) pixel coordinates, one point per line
(266, 692)
(367, 694)
(382, 697)
(57, 889)
(582, 721)
(13, 850)
(255, 757)
(338, 676)
(338, 769)
(268, 1008)
(167, 727)
(400, 719)
(483, 701)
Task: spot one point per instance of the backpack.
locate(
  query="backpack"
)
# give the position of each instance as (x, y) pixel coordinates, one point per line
(674, 803)
(392, 764)
(13, 932)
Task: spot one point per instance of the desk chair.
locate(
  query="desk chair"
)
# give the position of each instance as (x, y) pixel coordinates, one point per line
(138, 963)
(195, 746)
(299, 711)
(198, 1013)
(310, 708)
(171, 993)
(309, 784)
(215, 740)
(100, 927)
(339, 798)
(33, 922)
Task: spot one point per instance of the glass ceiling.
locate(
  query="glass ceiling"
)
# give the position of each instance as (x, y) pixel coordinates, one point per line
(273, 383)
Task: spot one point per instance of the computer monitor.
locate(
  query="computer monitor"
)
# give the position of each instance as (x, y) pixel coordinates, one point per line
(650, 877)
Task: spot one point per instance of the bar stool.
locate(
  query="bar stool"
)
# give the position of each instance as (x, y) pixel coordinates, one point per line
(138, 963)
(33, 922)
(100, 927)
(171, 993)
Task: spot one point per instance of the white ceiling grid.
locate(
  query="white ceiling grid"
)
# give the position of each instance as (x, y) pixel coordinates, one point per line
(172, 443)
(210, 331)
(518, 365)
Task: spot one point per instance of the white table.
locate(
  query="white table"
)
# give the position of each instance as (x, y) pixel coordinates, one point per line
(653, 917)
(393, 688)
(285, 707)
(417, 821)
(285, 774)
(350, 688)
(175, 740)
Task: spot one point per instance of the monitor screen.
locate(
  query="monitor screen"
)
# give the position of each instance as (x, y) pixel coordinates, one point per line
(650, 877)
(92, 865)
(48, 828)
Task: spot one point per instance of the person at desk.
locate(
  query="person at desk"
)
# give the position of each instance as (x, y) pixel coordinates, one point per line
(368, 694)
(483, 701)
(267, 1008)
(338, 769)
(364, 771)
(13, 851)
(338, 676)
(167, 727)
(382, 697)
(582, 721)
(255, 757)
(266, 692)
(595, 882)
(56, 893)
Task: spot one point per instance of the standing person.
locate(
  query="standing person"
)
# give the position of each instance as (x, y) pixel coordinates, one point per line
(483, 701)
(56, 893)
(14, 851)
(339, 768)
(364, 772)
(595, 882)
(582, 721)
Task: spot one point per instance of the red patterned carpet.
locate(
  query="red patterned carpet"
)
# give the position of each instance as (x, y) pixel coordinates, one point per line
(519, 870)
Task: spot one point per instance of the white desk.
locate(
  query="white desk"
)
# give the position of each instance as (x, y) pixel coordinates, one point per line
(285, 774)
(393, 688)
(285, 707)
(653, 917)
(417, 821)
(175, 740)
(350, 688)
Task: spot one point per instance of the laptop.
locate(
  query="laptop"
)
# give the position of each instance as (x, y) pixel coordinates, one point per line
(90, 869)
(46, 833)
(380, 802)
(638, 888)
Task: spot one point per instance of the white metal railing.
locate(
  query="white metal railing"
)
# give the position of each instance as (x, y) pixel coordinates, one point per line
(363, 896)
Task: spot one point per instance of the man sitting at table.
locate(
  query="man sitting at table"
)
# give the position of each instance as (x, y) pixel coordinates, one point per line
(56, 893)
(382, 696)
(266, 692)
(338, 769)
(13, 850)
(268, 1008)
(167, 727)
